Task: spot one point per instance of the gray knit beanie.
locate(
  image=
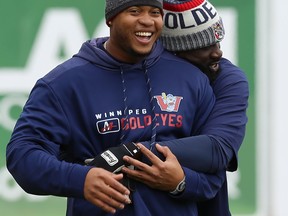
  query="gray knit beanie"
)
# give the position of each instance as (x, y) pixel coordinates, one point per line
(190, 24)
(113, 7)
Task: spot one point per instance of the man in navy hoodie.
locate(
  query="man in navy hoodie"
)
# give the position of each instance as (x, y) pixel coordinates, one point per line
(115, 90)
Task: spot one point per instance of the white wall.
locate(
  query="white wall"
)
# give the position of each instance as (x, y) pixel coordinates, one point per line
(272, 105)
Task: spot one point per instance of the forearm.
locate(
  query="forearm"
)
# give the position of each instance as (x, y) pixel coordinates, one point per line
(200, 153)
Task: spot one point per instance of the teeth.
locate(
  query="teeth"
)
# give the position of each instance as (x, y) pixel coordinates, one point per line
(144, 34)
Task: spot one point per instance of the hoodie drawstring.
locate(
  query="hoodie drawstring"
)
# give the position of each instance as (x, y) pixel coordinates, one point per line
(125, 126)
(154, 118)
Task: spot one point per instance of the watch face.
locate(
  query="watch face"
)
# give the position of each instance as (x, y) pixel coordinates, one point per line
(182, 186)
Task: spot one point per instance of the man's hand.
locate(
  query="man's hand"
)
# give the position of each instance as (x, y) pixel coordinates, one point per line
(103, 189)
(112, 158)
(163, 175)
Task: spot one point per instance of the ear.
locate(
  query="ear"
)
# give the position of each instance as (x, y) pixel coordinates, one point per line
(109, 23)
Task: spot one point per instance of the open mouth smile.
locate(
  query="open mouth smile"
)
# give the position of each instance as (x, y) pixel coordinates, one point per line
(144, 37)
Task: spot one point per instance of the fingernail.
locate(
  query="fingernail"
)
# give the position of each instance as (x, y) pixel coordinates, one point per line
(128, 201)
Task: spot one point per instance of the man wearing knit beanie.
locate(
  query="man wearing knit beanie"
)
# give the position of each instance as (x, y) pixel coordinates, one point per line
(193, 30)
(139, 37)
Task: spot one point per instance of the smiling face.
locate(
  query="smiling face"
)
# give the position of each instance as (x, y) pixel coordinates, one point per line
(133, 33)
(206, 59)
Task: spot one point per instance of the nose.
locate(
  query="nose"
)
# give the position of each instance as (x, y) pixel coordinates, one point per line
(146, 20)
(216, 51)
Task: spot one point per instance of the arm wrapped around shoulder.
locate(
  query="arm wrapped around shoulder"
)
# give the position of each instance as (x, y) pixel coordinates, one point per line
(112, 158)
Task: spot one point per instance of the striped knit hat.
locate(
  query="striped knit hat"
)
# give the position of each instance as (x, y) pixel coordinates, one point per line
(190, 24)
(113, 7)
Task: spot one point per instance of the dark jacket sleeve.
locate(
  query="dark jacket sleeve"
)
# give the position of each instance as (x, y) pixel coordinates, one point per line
(33, 151)
(201, 186)
(200, 153)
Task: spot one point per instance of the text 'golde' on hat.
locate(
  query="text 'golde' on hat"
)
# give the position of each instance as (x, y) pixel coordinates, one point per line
(190, 24)
(113, 7)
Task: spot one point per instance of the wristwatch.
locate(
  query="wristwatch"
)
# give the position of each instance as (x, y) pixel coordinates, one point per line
(180, 187)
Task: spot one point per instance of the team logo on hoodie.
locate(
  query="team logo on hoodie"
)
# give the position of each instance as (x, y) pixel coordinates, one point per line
(108, 126)
(169, 102)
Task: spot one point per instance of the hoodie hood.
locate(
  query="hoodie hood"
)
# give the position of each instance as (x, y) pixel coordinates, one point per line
(92, 52)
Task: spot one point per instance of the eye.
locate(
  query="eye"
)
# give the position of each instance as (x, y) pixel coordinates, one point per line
(156, 12)
(206, 48)
(133, 10)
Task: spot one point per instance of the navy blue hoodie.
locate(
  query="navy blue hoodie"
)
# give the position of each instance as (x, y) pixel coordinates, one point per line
(78, 110)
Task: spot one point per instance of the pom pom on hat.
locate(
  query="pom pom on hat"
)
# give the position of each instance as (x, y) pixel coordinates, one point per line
(113, 7)
(190, 24)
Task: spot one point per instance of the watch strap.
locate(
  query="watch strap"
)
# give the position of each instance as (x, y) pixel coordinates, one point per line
(180, 187)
